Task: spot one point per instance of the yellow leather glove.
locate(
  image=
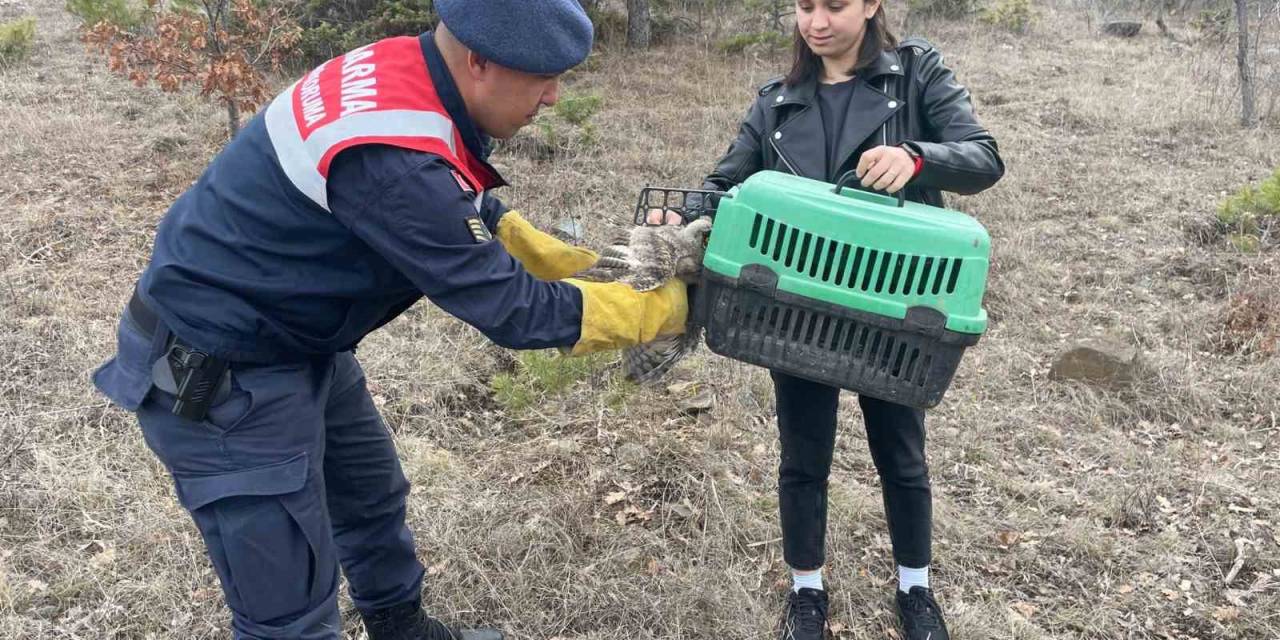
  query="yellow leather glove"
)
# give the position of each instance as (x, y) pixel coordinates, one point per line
(542, 255)
(615, 316)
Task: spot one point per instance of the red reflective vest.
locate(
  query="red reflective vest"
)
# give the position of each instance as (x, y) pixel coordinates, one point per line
(380, 93)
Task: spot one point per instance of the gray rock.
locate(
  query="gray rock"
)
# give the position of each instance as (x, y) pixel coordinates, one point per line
(1104, 362)
(701, 402)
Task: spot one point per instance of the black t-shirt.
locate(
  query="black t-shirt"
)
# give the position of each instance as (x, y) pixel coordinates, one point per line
(833, 103)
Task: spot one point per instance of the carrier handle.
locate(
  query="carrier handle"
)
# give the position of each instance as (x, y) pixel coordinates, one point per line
(853, 174)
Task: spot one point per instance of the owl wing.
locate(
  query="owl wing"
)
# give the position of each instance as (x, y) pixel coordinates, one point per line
(614, 264)
(646, 277)
(650, 361)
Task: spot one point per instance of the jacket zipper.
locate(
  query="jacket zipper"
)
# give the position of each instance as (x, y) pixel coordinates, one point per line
(884, 128)
(778, 151)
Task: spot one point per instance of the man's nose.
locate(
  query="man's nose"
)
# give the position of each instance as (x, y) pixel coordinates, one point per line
(552, 94)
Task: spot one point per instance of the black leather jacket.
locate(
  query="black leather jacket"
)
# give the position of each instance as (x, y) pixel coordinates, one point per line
(908, 96)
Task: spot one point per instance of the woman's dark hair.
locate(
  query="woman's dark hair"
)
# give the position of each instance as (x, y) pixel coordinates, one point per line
(806, 64)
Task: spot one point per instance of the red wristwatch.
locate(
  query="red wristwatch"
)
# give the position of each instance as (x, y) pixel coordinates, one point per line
(914, 157)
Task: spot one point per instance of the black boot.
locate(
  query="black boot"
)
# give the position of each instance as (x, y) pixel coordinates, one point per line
(409, 622)
(806, 615)
(921, 616)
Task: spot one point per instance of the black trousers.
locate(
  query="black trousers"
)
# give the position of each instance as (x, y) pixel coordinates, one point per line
(807, 431)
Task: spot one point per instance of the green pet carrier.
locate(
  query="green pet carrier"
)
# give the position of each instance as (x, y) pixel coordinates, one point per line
(849, 288)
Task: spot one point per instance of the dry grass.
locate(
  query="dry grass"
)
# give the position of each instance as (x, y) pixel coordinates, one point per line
(1062, 511)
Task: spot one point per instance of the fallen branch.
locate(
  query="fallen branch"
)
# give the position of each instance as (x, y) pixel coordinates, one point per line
(1239, 562)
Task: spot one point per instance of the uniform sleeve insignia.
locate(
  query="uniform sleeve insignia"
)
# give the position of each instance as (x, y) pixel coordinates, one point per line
(478, 230)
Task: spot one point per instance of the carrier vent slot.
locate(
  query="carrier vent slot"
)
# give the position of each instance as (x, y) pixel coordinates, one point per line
(811, 328)
(899, 360)
(908, 282)
(871, 351)
(886, 261)
(869, 269)
(912, 360)
(755, 231)
(898, 262)
(886, 355)
(955, 275)
(925, 272)
(802, 259)
(832, 339)
(842, 271)
(819, 243)
(855, 267)
(779, 243)
(940, 275)
(833, 248)
(924, 371)
(768, 235)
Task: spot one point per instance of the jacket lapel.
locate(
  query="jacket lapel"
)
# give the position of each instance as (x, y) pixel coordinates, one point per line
(798, 137)
(870, 107)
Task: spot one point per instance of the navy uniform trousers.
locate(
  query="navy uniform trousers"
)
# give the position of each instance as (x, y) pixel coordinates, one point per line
(291, 477)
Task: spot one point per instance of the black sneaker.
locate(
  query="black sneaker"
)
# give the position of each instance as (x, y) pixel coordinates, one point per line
(921, 616)
(806, 615)
(409, 622)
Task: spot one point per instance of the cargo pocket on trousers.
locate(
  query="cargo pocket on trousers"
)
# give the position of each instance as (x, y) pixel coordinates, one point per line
(267, 534)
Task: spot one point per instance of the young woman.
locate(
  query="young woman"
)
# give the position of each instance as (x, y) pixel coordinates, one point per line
(857, 99)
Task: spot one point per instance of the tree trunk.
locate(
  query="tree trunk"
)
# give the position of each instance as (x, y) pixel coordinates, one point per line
(638, 24)
(233, 119)
(1247, 117)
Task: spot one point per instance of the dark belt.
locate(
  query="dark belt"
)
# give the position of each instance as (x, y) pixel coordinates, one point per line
(197, 379)
(142, 315)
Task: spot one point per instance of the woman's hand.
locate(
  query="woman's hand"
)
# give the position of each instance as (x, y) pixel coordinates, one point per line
(887, 169)
(662, 216)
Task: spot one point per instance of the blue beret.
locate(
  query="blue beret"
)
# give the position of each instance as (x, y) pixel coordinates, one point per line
(534, 36)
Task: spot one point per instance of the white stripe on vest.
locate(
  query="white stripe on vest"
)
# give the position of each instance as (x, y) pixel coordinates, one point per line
(384, 99)
(301, 159)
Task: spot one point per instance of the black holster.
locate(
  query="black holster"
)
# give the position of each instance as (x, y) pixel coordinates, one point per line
(201, 380)
(196, 379)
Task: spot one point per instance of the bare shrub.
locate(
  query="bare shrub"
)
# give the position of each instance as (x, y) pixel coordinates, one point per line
(1251, 322)
(16, 38)
(223, 46)
(1011, 15)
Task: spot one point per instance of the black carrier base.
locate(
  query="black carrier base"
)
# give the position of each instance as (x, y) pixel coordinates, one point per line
(909, 361)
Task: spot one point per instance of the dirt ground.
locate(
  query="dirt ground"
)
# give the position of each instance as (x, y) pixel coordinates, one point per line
(600, 510)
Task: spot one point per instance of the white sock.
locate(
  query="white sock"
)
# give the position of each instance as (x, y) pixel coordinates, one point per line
(806, 580)
(908, 577)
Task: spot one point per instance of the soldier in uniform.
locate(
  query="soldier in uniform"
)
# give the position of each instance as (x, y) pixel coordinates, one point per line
(359, 190)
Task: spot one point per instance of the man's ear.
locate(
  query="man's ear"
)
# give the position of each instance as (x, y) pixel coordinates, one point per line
(477, 65)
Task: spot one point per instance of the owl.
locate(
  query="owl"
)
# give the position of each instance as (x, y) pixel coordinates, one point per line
(652, 255)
